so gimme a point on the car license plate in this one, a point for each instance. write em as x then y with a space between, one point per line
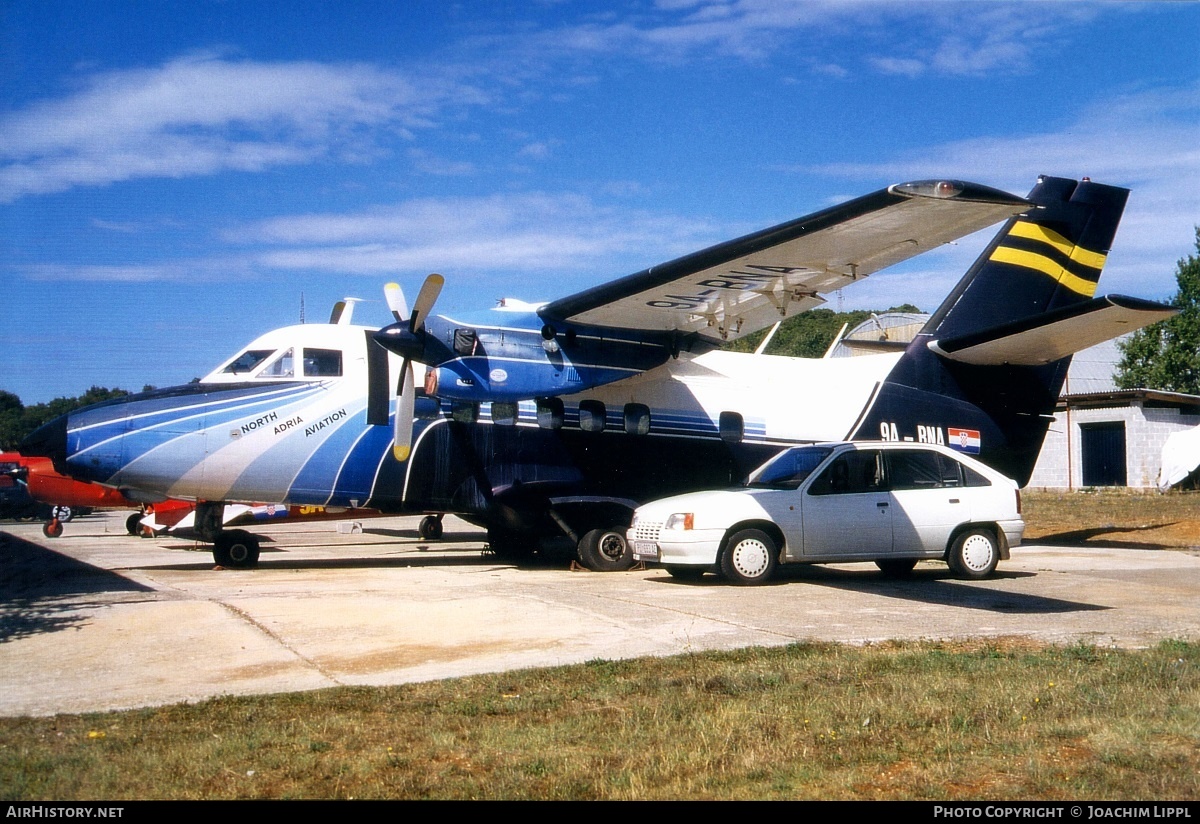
645 549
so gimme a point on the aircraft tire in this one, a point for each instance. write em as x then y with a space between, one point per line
896 567
605 550
974 554
749 558
62 513
430 528
133 524
236 549
52 529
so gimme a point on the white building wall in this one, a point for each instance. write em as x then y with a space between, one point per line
1146 430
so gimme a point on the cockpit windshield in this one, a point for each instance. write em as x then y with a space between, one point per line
788 469
248 361
284 363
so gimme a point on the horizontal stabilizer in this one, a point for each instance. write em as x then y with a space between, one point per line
1042 339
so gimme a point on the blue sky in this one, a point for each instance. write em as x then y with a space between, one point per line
174 176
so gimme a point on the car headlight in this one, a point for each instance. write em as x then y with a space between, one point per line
680 520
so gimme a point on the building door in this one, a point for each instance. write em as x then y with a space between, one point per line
1103 447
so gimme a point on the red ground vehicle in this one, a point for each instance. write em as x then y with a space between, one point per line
48 494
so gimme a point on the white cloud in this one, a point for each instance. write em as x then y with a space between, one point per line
530 232
200 115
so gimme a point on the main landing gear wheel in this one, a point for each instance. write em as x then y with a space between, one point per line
62 514
896 567
430 528
749 558
133 524
52 528
974 555
236 549
605 550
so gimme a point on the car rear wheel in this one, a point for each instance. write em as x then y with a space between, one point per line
749 558
974 554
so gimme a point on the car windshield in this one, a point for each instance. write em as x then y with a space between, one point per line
788 469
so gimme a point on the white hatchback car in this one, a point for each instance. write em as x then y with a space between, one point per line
891 503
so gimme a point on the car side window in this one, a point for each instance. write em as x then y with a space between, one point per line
851 473
919 470
973 478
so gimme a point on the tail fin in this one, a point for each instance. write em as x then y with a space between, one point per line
1042 267
1045 259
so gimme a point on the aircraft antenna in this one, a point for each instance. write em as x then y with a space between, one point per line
302 307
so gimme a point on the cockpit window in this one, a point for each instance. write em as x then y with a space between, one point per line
281 367
322 363
247 361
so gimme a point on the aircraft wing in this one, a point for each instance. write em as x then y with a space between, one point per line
738 287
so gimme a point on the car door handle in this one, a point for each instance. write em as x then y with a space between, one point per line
954 500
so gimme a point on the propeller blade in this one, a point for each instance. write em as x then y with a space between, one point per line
430 289
405 404
395 301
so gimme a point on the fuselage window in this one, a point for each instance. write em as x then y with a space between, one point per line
731 426
281 367
465 411
504 413
637 418
591 416
322 363
550 413
247 361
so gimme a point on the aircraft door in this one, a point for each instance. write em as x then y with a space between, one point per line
847 509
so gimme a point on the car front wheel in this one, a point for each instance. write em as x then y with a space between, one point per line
974 554
750 557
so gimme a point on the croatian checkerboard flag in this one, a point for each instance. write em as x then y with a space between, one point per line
964 440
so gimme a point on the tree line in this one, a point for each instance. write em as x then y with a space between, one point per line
17 420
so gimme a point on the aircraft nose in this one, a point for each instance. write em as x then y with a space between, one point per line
47 441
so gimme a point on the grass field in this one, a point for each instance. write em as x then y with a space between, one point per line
994 720
1137 520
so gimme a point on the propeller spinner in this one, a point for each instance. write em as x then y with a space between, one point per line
406 338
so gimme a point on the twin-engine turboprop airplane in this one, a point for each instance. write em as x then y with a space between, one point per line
556 419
